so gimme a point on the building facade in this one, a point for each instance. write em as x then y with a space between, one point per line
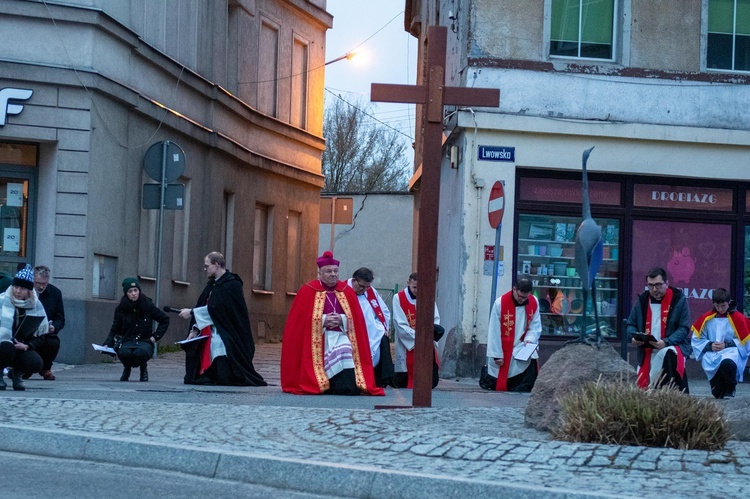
660 89
86 87
372 230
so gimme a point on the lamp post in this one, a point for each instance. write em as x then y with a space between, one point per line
348 56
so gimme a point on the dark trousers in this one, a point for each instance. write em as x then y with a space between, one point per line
724 381
219 373
343 383
384 369
26 361
523 382
401 379
48 350
669 374
135 353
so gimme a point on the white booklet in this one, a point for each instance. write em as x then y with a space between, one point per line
102 348
525 352
190 340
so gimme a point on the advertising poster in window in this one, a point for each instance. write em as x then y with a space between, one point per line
697 258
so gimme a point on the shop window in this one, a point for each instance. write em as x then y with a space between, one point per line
14 221
696 256
546 255
728 45
746 283
582 28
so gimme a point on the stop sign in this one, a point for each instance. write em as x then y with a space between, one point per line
496 206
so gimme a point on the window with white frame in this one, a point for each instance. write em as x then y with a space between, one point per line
582 28
268 68
262 244
299 83
728 35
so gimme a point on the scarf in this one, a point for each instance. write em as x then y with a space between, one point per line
508 333
645 368
737 321
33 308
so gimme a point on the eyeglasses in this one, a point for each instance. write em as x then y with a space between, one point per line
656 285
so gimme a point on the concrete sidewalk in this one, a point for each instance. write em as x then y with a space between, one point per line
470 442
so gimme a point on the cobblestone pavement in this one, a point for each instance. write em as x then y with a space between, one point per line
482 445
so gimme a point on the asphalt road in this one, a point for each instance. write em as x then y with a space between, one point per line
44 478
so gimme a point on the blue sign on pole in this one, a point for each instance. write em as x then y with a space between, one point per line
497 153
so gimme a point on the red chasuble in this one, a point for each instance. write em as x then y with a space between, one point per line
644 371
303 345
508 333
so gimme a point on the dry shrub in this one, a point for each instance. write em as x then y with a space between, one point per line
621 413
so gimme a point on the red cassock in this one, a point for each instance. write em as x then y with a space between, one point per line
302 348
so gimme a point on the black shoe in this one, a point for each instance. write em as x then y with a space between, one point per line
18 383
125 374
144 373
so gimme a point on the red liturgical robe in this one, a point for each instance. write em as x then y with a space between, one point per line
303 345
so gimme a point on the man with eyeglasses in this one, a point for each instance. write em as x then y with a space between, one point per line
514 323
721 339
661 311
325 348
377 317
225 356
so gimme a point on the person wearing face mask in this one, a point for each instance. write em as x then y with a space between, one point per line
662 312
721 339
23 323
514 322
325 348
132 329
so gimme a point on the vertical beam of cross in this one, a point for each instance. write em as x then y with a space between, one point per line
433 95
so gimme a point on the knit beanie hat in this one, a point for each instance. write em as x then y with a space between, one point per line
24 278
130 282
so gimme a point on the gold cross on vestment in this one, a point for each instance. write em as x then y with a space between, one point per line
411 318
509 322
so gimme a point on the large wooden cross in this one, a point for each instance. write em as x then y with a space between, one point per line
434 96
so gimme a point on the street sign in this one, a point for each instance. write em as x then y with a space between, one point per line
175 161
496 206
174 196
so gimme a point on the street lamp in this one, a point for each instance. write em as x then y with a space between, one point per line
348 56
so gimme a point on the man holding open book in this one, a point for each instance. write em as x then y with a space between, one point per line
512 341
659 325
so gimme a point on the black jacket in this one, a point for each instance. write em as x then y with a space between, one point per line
133 321
52 302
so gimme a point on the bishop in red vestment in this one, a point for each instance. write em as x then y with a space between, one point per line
325 348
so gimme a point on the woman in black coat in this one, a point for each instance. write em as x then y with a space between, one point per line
132 328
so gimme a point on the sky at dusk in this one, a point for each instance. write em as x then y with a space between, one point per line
374 29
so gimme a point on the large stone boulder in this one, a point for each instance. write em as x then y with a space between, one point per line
737 414
568 368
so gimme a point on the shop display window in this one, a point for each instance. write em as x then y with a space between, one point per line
546 255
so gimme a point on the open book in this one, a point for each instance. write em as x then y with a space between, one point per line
190 340
525 352
646 338
102 348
